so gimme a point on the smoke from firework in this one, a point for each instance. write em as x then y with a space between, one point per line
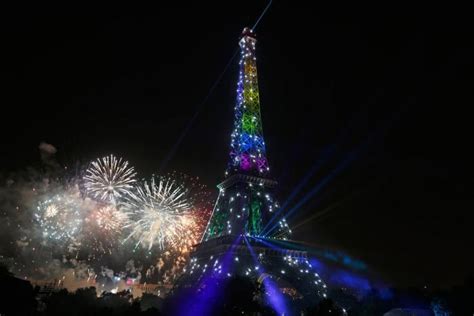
50 229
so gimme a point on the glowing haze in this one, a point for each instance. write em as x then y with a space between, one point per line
100 226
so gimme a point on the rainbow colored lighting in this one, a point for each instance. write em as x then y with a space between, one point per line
245 203
248 147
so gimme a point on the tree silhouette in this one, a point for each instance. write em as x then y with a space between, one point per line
17 296
325 307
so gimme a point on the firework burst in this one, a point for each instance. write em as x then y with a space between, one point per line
101 216
109 178
61 216
102 229
162 210
108 219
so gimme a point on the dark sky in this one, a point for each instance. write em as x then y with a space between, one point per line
387 91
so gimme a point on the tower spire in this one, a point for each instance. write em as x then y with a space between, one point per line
247 154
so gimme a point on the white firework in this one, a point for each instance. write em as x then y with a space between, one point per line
109 219
109 178
103 226
161 214
51 210
61 216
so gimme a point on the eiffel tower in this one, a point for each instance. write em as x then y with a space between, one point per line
245 204
237 240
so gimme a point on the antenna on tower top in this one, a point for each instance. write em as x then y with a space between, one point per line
248 32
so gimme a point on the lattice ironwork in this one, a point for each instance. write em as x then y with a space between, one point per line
247 144
246 203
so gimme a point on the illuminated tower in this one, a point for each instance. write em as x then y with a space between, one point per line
235 242
245 203
247 155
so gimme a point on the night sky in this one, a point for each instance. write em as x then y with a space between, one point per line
379 98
